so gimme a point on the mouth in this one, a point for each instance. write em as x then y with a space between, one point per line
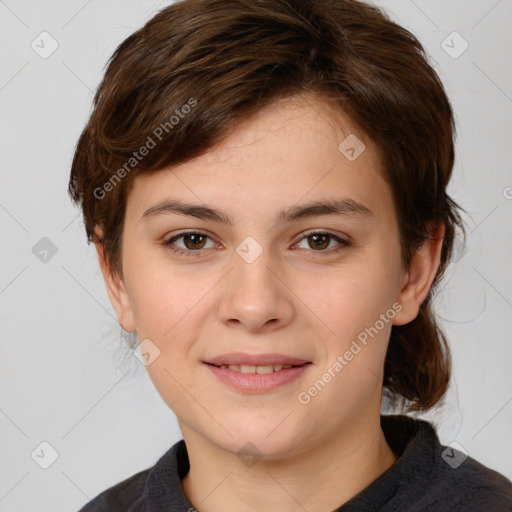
248 368
257 373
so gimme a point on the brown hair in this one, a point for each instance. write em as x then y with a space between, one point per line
199 67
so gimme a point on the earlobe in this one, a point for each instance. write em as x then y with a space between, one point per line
418 279
116 290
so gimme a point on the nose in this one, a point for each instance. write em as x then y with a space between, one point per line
255 296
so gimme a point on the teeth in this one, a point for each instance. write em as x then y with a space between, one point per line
247 368
264 369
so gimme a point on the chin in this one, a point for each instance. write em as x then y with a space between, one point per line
261 439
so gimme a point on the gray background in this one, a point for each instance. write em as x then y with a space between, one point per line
65 378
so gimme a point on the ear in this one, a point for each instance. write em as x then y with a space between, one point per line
115 288
418 279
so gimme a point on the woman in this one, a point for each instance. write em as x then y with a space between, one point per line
265 184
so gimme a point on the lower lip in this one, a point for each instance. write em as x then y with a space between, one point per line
258 382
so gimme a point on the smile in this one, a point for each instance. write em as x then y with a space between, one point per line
247 368
266 378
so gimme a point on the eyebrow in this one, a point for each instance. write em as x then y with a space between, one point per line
348 207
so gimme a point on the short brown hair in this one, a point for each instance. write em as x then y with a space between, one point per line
228 59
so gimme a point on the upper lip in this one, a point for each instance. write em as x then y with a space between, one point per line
255 359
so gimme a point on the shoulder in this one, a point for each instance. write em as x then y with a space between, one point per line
431 477
470 487
126 496
156 488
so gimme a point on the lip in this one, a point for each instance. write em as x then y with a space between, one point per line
255 382
255 359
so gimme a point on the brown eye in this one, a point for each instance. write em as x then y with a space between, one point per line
320 241
194 241
189 243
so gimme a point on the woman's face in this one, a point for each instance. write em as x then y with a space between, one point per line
266 279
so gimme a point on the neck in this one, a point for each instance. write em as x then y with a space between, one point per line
322 478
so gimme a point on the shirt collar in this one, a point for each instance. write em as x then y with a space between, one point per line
411 439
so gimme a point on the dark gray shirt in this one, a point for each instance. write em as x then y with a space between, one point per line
427 477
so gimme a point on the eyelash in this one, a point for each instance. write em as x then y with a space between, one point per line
189 252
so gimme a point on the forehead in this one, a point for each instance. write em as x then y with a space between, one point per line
292 151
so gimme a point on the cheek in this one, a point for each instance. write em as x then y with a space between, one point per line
176 388
159 293
358 309
353 300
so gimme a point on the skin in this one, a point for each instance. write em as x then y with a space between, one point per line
293 299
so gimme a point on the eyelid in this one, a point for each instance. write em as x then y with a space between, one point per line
176 235
343 240
310 232
303 234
